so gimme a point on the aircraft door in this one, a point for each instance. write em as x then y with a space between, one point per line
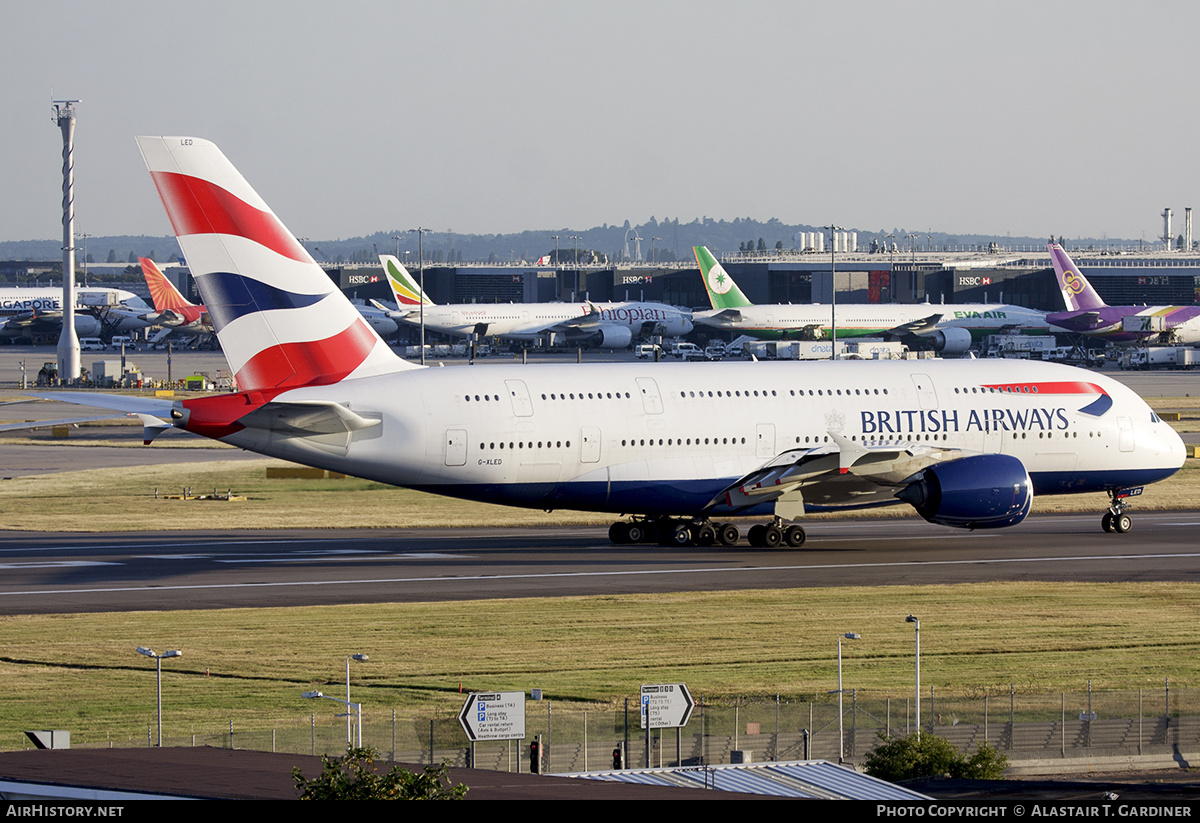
456 447
925 391
764 445
651 399
518 392
589 438
1125 433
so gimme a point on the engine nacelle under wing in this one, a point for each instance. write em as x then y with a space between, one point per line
613 337
950 340
983 491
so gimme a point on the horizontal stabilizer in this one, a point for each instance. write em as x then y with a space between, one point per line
306 417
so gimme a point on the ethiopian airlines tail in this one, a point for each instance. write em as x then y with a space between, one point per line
281 321
1077 292
404 289
723 293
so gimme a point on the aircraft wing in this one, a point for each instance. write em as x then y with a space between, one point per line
718 318
922 326
127 404
844 474
42 424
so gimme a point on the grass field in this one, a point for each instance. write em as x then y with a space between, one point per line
80 672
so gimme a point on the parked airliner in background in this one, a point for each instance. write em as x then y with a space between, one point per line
27 311
966 443
610 325
1088 314
947 329
178 315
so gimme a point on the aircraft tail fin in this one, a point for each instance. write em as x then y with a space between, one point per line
281 321
163 293
404 288
723 293
1077 292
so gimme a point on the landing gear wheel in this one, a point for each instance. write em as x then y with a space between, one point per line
674 534
1122 523
755 535
794 536
728 534
618 533
1107 522
635 533
772 536
704 534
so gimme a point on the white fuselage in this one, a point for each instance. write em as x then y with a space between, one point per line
667 438
526 321
861 319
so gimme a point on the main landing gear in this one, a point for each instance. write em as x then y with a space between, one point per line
1115 520
668 531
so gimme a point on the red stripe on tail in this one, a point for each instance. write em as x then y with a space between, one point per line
310 363
197 206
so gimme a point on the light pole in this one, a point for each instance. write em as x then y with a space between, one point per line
841 734
158 659
575 294
421 300
833 288
357 713
362 658
917 624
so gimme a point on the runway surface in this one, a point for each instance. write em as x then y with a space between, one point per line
51 573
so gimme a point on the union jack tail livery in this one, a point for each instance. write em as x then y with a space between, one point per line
1077 292
280 320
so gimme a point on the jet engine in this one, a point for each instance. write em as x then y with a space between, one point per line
984 491
951 340
613 337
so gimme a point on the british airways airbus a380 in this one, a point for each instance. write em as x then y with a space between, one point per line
676 446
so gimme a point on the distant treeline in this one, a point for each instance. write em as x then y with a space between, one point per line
662 241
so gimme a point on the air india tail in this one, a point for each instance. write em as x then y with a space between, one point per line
280 320
405 289
1077 292
163 293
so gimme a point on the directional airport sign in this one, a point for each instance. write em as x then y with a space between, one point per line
494 716
666 706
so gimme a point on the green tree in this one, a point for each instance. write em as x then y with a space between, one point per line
355 777
904 758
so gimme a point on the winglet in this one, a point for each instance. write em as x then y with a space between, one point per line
152 427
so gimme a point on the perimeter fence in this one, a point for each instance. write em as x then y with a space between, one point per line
583 737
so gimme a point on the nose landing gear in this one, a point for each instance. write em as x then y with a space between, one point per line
1116 520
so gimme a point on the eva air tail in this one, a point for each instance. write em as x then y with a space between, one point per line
281 321
723 293
404 288
1077 292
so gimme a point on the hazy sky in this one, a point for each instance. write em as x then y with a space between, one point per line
1027 118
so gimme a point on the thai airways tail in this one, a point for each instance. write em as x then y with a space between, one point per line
405 289
1077 292
163 293
723 293
280 320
